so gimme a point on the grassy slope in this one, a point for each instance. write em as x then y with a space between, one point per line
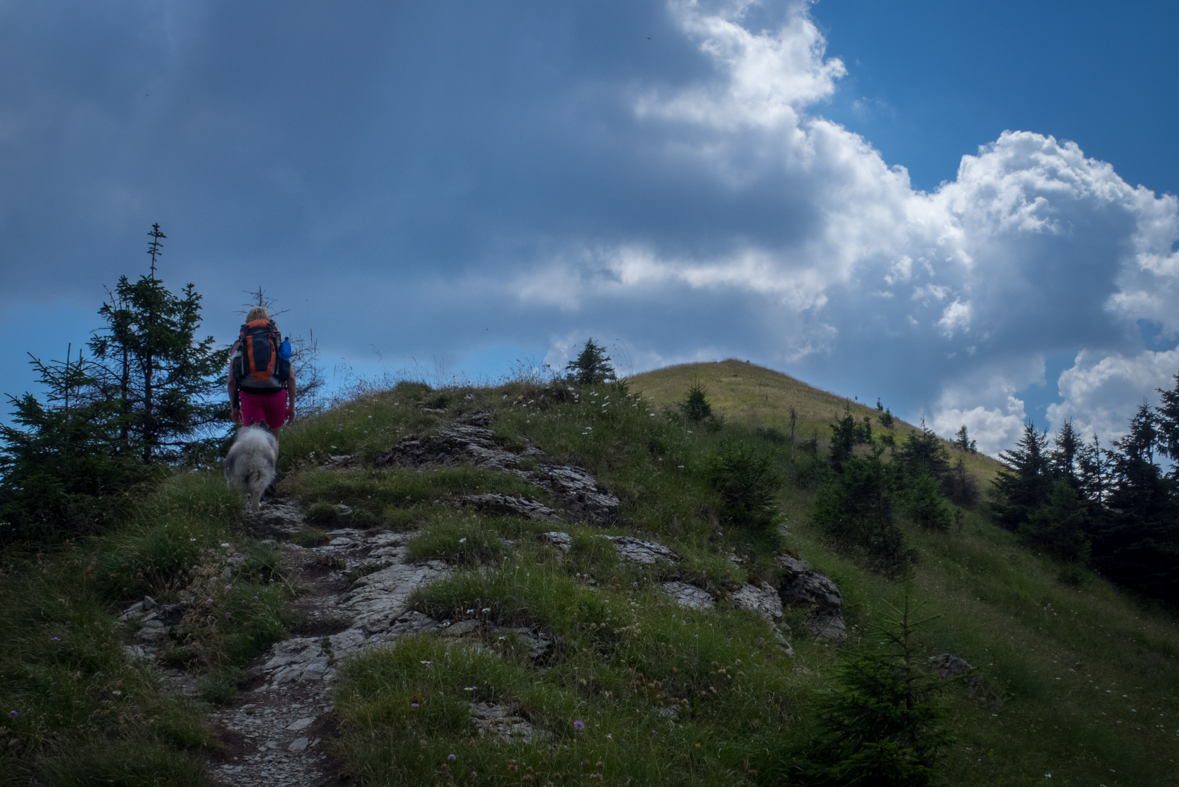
78 710
1079 683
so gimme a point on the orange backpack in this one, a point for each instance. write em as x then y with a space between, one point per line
259 358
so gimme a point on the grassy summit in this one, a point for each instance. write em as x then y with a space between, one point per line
754 396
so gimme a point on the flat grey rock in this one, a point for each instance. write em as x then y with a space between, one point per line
498 721
509 505
643 552
562 541
764 601
689 596
949 666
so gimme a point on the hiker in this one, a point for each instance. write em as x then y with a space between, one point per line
260 380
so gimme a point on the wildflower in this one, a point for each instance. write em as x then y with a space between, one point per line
461 540
435 501
487 609
225 545
450 757
229 587
413 704
117 693
192 539
579 725
55 639
12 714
255 598
208 601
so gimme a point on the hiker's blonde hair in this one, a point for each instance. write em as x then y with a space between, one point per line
257 313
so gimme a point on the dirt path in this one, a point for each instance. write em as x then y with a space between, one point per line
354 594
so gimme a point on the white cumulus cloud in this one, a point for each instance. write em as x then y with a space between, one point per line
1102 393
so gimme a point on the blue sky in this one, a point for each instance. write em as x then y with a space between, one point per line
967 211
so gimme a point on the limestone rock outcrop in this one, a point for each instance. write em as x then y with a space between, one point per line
471 441
802 586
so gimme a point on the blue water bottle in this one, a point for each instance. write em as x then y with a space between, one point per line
284 352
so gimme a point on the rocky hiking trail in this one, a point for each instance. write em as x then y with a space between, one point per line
354 591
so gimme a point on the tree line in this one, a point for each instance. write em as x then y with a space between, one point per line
1115 509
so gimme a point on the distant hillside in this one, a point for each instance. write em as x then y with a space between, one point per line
756 396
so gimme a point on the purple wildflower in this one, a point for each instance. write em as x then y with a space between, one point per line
413 704
579 725
55 639
208 601
12 714
450 757
229 587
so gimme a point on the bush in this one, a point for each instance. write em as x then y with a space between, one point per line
1058 526
882 724
854 509
747 482
959 487
696 408
925 505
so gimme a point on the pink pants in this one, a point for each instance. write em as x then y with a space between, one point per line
267 408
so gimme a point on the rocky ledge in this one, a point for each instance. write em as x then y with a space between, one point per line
470 440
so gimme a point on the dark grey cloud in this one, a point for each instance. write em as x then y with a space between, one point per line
464 181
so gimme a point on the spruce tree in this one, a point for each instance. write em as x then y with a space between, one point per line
882 725
1063 458
924 450
854 509
1093 469
1058 526
165 381
962 439
696 408
1138 544
58 473
925 505
1167 416
1024 483
592 366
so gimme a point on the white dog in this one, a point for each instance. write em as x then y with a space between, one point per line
250 463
